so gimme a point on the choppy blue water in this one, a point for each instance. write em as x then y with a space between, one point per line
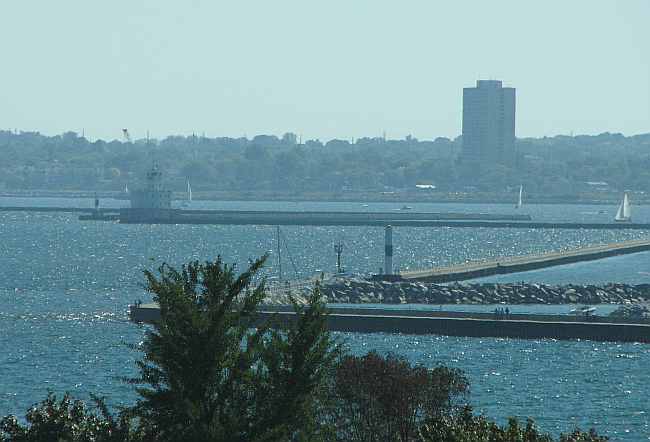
64 287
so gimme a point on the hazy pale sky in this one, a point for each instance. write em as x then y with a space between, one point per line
327 69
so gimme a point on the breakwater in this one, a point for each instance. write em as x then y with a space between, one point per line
47 209
404 218
386 321
320 218
522 329
359 291
624 328
377 219
515 264
398 218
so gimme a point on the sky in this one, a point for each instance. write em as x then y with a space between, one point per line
321 69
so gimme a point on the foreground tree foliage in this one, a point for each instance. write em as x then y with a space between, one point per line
212 372
209 377
67 420
385 398
466 427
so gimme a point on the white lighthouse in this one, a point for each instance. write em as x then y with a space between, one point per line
150 204
153 196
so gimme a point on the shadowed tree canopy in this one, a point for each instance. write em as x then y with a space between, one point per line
386 398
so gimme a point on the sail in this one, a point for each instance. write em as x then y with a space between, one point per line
126 188
189 191
624 212
627 211
520 201
619 213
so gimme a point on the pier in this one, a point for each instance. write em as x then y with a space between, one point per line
46 209
87 214
359 320
398 218
303 218
501 266
372 219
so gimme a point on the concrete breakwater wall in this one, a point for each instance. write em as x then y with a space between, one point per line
514 264
358 291
477 327
45 209
273 217
386 321
151 313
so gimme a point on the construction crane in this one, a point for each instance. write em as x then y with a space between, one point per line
126 136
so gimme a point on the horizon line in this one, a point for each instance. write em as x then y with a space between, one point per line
202 134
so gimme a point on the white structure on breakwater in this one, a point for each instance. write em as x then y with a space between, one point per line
152 203
153 196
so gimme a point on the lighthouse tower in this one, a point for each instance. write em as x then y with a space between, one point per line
152 203
153 196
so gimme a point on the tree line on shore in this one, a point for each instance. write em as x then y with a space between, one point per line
210 372
562 165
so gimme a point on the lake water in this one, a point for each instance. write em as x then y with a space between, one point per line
65 285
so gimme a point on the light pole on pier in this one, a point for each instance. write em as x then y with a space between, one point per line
338 248
279 253
388 251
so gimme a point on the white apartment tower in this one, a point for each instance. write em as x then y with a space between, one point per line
488 124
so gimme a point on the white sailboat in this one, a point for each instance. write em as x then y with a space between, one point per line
624 213
126 188
189 191
520 201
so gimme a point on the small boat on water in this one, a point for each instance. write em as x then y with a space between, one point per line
624 213
406 208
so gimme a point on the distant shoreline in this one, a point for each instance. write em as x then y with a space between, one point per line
350 197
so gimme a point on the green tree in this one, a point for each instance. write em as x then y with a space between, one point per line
466 427
387 399
67 421
212 371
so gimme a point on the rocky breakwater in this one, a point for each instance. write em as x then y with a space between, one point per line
360 291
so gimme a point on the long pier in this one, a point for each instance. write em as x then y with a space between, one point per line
398 218
376 219
46 209
305 218
447 323
260 217
517 264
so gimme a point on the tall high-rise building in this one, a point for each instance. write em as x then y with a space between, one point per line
488 124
